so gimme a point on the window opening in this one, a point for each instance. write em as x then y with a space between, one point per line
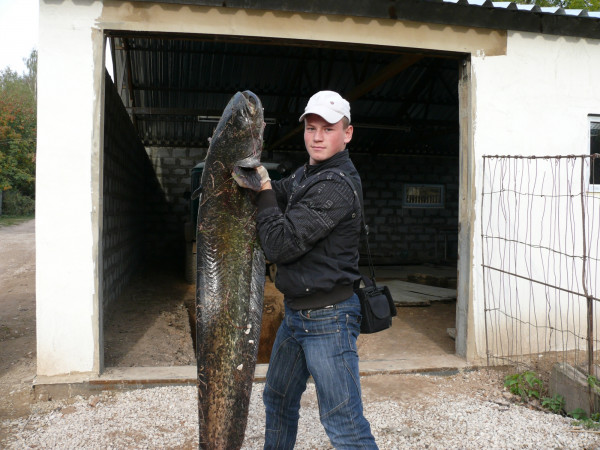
423 196
595 150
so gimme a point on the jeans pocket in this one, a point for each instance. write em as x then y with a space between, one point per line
323 321
353 327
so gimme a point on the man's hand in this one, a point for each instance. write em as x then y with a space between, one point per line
264 176
256 179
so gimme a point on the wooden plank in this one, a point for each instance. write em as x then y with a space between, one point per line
413 294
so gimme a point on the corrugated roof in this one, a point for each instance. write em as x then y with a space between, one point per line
532 8
175 86
471 13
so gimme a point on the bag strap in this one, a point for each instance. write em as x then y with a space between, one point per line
365 229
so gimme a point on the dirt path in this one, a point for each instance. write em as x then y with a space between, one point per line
17 317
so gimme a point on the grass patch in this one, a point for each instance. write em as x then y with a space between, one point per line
7 220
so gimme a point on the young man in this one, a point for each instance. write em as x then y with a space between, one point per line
309 224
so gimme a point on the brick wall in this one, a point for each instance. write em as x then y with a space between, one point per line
145 206
168 209
400 235
126 175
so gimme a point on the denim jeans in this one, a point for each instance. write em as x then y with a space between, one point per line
321 343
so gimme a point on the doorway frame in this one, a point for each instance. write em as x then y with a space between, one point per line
452 39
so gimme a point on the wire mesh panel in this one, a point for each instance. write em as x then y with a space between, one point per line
540 229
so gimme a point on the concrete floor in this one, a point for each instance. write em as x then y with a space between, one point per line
418 340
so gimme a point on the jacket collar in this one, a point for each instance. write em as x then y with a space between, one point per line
335 161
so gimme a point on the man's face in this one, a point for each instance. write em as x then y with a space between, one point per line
324 139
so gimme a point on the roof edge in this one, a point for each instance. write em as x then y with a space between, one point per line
462 13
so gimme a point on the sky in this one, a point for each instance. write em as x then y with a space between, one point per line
18 32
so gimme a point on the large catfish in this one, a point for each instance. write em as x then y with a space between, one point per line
230 275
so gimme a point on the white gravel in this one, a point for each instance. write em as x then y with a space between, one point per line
167 418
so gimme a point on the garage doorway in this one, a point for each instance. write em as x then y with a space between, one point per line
172 89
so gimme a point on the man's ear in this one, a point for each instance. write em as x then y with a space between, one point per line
348 134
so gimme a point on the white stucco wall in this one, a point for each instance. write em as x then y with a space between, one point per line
535 100
69 169
65 285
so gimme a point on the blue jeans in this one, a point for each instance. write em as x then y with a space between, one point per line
321 343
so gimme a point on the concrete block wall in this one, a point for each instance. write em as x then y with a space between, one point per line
144 207
168 208
126 169
400 235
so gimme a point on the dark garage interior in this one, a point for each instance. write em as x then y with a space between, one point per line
162 102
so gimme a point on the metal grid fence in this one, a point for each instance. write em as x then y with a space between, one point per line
540 230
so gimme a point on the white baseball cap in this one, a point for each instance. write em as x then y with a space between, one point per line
329 105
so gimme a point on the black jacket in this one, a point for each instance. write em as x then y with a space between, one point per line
309 225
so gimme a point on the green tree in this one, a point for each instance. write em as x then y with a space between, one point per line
31 76
18 128
590 5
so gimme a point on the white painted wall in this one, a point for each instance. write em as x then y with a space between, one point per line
65 285
70 73
535 100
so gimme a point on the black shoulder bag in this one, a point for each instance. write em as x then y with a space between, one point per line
376 302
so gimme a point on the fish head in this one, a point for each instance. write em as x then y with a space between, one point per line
238 137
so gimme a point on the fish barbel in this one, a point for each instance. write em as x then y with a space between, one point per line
230 276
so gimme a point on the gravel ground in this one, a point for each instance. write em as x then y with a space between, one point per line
467 411
483 416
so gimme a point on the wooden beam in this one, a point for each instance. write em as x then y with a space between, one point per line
388 72
130 80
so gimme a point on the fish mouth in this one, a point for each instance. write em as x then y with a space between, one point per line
246 169
249 108
252 102
252 111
